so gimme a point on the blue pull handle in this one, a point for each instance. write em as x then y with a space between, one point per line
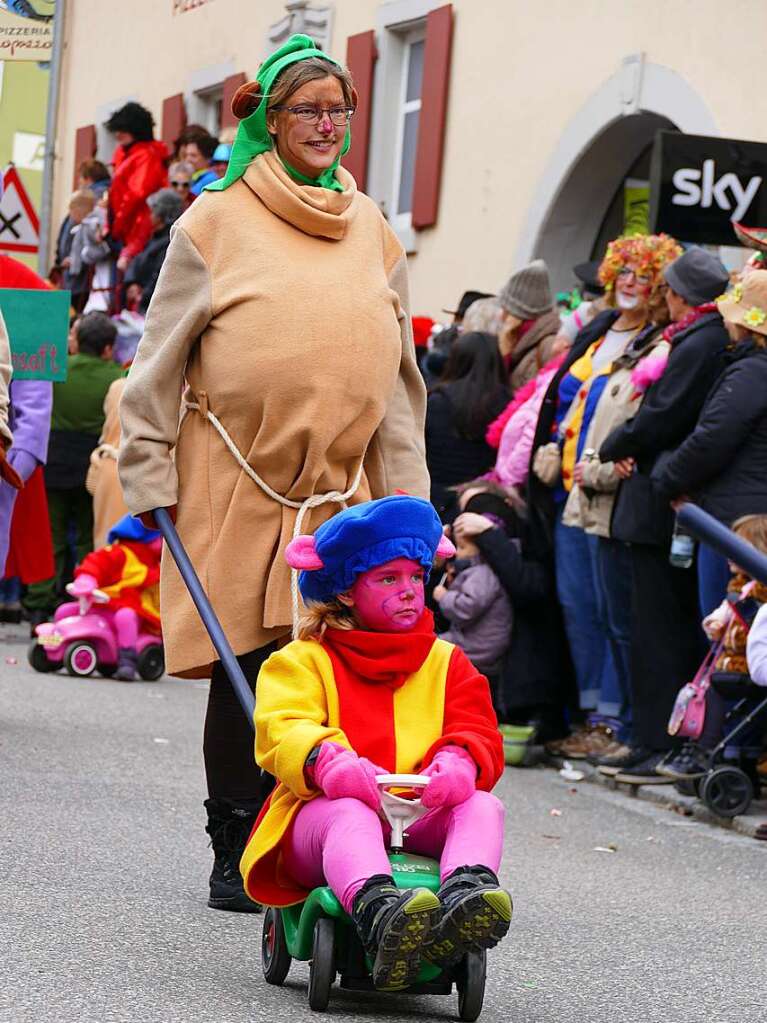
208 615
708 529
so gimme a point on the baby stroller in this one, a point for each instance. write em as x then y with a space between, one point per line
732 781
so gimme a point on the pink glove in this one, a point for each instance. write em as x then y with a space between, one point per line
453 776
341 774
83 585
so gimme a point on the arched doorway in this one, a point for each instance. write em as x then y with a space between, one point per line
578 204
588 211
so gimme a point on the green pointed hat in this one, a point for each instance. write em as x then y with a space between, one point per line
252 135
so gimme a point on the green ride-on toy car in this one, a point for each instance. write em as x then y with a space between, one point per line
320 932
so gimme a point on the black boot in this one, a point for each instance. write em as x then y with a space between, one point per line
127 664
229 825
476 913
394 926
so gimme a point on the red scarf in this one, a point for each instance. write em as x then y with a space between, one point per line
369 667
381 658
687 321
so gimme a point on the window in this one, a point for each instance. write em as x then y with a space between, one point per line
407 129
204 96
207 105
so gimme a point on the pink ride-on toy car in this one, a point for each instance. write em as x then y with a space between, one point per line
82 638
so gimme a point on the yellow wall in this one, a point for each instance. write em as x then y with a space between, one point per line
521 71
23 105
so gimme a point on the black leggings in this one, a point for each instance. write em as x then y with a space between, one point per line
228 743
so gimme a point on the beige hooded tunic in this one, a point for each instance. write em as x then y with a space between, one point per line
284 308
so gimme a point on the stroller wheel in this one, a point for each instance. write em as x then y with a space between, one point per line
322 971
687 787
275 958
727 791
470 981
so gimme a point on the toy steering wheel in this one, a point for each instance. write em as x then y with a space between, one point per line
401 810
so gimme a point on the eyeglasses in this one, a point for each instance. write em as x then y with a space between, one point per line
625 272
179 184
340 116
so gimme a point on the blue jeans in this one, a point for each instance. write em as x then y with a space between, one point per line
614 567
583 611
713 578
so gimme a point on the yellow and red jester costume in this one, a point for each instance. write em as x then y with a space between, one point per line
128 570
394 698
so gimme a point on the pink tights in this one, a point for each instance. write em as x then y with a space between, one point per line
340 842
124 619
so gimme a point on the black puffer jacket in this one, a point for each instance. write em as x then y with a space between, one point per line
665 419
537 671
723 463
452 458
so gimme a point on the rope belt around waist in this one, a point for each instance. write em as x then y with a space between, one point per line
315 501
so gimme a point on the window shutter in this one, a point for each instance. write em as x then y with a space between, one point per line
231 85
361 56
173 119
431 124
85 147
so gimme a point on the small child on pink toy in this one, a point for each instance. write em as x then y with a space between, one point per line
368 689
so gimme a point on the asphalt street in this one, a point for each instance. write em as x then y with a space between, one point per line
105 861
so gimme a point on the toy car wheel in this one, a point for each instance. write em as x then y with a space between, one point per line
151 662
727 791
322 971
38 658
275 958
81 659
470 981
107 670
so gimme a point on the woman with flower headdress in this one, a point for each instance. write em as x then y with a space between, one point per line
666 642
631 273
283 307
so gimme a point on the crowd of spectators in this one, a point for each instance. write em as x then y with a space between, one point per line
557 462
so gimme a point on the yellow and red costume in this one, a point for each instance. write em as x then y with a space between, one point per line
395 698
128 571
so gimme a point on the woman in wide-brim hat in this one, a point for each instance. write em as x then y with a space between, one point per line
283 307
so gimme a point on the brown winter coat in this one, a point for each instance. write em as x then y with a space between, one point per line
534 350
590 506
102 481
285 309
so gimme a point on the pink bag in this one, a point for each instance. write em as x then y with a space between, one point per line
689 713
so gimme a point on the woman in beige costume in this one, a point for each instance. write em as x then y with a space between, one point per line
283 306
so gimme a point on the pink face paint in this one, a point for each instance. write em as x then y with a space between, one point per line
390 597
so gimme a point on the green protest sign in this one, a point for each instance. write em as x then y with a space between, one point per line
37 322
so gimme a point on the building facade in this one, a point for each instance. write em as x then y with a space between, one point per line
489 131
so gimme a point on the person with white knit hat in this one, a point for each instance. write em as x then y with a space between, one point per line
531 323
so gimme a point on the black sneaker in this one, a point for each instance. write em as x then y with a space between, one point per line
229 827
476 913
395 928
690 763
644 772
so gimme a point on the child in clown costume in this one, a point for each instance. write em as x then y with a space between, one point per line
127 569
368 689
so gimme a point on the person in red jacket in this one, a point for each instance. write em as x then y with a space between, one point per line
128 571
369 689
139 170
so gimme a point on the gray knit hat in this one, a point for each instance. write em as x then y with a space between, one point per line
166 204
527 293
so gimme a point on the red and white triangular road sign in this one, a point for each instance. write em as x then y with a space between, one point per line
19 226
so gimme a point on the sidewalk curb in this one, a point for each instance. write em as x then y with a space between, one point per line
667 796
